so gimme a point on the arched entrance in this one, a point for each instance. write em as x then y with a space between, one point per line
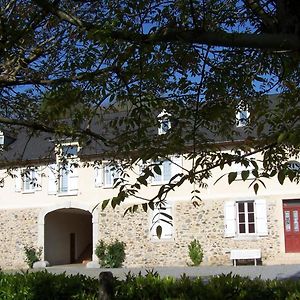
68 236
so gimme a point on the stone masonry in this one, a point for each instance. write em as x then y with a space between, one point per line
204 222
17 229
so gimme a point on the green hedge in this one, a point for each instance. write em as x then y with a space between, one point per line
43 285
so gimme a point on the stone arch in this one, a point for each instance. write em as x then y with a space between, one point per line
67 207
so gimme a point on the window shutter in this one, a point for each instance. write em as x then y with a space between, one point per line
38 179
176 166
158 218
52 179
73 179
167 170
230 218
167 229
261 217
98 177
18 180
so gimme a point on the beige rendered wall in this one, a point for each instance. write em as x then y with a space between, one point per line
205 223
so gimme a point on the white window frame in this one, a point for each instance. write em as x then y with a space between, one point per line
114 175
246 213
29 180
175 165
231 222
164 122
67 167
157 218
160 179
242 116
1 138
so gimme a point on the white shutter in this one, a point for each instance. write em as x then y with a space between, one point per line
98 177
230 219
38 179
73 179
52 179
167 229
18 180
176 166
166 168
261 217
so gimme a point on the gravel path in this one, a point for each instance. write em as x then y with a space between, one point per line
265 272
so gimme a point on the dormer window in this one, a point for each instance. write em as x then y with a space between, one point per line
69 151
1 138
293 165
242 117
164 121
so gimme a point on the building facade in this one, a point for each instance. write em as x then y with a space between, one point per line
54 202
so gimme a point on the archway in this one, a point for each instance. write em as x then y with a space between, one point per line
68 236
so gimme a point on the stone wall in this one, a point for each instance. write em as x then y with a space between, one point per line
17 228
204 222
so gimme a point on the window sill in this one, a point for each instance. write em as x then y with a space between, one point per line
247 237
159 183
28 192
63 194
107 187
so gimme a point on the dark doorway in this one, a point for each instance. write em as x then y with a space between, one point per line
68 236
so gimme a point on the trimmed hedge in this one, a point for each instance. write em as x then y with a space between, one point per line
44 285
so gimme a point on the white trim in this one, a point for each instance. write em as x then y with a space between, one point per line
68 204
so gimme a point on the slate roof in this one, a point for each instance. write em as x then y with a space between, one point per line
25 146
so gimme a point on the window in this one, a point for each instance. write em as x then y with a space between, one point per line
162 216
293 165
166 172
1 138
242 117
164 122
247 217
68 178
110 175
29 180
168 169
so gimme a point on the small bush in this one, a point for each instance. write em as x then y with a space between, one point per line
32 255
195 252
111 255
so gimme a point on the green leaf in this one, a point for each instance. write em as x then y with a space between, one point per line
142 180
158 231
145 207
231 177
166 215
256 187
245 174
104 204
281 176
157 169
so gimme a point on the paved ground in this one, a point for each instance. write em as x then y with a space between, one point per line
265 272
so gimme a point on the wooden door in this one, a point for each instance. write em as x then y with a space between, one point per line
72 248
291 214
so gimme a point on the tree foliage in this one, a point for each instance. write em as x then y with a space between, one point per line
200 60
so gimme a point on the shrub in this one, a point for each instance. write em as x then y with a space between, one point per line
32 255
111 255
195 252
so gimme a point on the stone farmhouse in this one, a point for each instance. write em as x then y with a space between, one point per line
58 209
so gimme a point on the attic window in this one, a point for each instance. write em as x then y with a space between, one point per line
242 116
164 122
1 138
293 165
